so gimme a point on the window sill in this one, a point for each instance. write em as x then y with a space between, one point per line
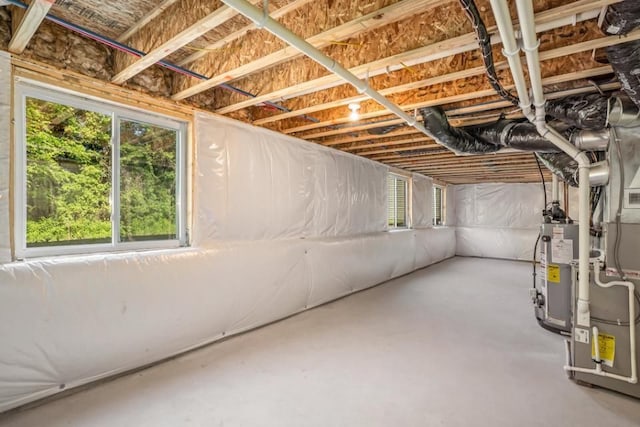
104 254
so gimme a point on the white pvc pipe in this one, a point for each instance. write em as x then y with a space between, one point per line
633 378
530 47
555 188
512 52
263 20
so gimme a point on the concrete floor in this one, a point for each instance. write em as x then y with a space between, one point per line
455 344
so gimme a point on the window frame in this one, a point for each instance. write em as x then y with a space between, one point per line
24 89
407 186
442 205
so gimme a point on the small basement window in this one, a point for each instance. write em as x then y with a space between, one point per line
92 177
438 205
397 189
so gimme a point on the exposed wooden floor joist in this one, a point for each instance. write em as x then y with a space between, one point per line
30 22
418 53
424 54
371 21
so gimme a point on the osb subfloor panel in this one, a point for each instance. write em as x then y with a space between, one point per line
452 345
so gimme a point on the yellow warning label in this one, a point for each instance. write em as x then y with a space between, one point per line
607 346
553 273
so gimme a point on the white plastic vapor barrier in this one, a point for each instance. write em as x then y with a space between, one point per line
497 220
299 189
281 225
5 117
421 201
450 205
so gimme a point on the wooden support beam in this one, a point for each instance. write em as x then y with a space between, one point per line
354 128
421 147
240 33
471 72
340 141
546 20
448 163
395 12
527 162
446 155
517 169
465 110
153 13
523 157
563 78
30 22
451 159
386 144
206 24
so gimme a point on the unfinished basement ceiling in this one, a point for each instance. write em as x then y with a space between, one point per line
416 52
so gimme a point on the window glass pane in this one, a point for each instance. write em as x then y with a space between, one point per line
68 175
147 182
437 206
401 202
391 194
397 196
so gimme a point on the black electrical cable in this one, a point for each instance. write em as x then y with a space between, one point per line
484 40
616 245
535 261
535 247
544 184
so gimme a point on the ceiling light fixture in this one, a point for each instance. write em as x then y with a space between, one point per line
354 107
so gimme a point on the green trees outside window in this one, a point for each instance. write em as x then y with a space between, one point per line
86 186
68 175
147 182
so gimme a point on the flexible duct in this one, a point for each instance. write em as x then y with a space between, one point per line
625 60
622 18
513 134
561 165
582 111
486 138
383 130
457 140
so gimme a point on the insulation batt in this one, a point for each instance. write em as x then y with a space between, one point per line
5 27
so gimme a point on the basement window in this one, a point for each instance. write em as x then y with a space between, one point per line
397 190
95 177
438 205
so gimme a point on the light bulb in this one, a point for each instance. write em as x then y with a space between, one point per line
354 107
